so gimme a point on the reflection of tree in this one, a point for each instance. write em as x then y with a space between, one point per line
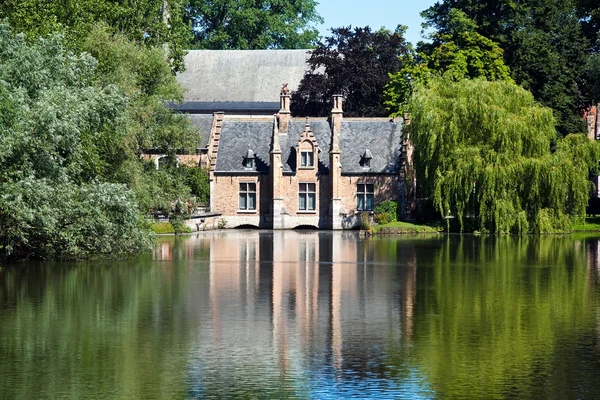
496 315
89 330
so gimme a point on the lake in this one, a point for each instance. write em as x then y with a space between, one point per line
305 314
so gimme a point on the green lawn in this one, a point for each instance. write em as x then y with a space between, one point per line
590 224
403 227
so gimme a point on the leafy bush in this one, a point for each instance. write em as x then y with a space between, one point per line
365 224
383 218
386 211
179 226
40 219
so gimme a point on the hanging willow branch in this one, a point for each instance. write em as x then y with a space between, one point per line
483 150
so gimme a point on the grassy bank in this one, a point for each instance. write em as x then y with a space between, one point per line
589 224
402 228
166 228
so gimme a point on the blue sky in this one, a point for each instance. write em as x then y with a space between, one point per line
375 13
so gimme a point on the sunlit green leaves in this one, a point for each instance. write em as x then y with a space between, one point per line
483 153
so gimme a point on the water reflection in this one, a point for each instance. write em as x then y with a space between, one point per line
309 315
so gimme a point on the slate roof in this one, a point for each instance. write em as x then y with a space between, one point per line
241 75
237 136
381 137
204 123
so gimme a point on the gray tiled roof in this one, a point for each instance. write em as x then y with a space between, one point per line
204 123
239 135
241 75
382 138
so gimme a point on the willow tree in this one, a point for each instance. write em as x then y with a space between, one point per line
487 153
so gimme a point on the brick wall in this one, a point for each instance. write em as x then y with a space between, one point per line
385 188
225 197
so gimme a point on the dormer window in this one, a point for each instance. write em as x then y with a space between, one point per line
307 159
365 160
249 160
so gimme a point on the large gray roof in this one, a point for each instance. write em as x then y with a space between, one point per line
381 137
241 75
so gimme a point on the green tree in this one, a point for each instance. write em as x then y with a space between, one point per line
156 23
544 47
60 137
251 24
483 154
459 52
354 63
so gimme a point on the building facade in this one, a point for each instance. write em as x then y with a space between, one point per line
281 172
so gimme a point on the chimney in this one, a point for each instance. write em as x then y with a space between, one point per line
284 109
337 112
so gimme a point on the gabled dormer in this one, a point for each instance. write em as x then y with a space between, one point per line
307 149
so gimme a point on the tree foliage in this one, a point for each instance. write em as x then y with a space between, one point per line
251 24
156 23
458 52
483 154
354 63
71 180
544 46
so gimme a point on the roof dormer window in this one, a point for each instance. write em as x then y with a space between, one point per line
365 160
249 159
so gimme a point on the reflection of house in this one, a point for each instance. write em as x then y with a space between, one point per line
303 296
278 171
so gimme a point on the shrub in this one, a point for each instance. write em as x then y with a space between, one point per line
365 224
163 228
386 211
383 218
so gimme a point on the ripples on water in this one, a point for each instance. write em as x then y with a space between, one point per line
308 315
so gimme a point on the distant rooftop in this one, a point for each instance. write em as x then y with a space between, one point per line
241 75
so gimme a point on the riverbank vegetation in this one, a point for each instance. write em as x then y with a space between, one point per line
72 183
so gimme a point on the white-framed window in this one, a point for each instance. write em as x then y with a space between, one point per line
247 196
307 159
366 163
365 195
307 197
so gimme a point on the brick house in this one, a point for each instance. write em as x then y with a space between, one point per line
281 172
270 170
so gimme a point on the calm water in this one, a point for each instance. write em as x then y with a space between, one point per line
309 315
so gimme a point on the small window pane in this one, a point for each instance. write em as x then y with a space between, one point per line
243 201
369 202
302 201
311 201
252 187
243 187
361 203
370 188
251 201
311 156
311 187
